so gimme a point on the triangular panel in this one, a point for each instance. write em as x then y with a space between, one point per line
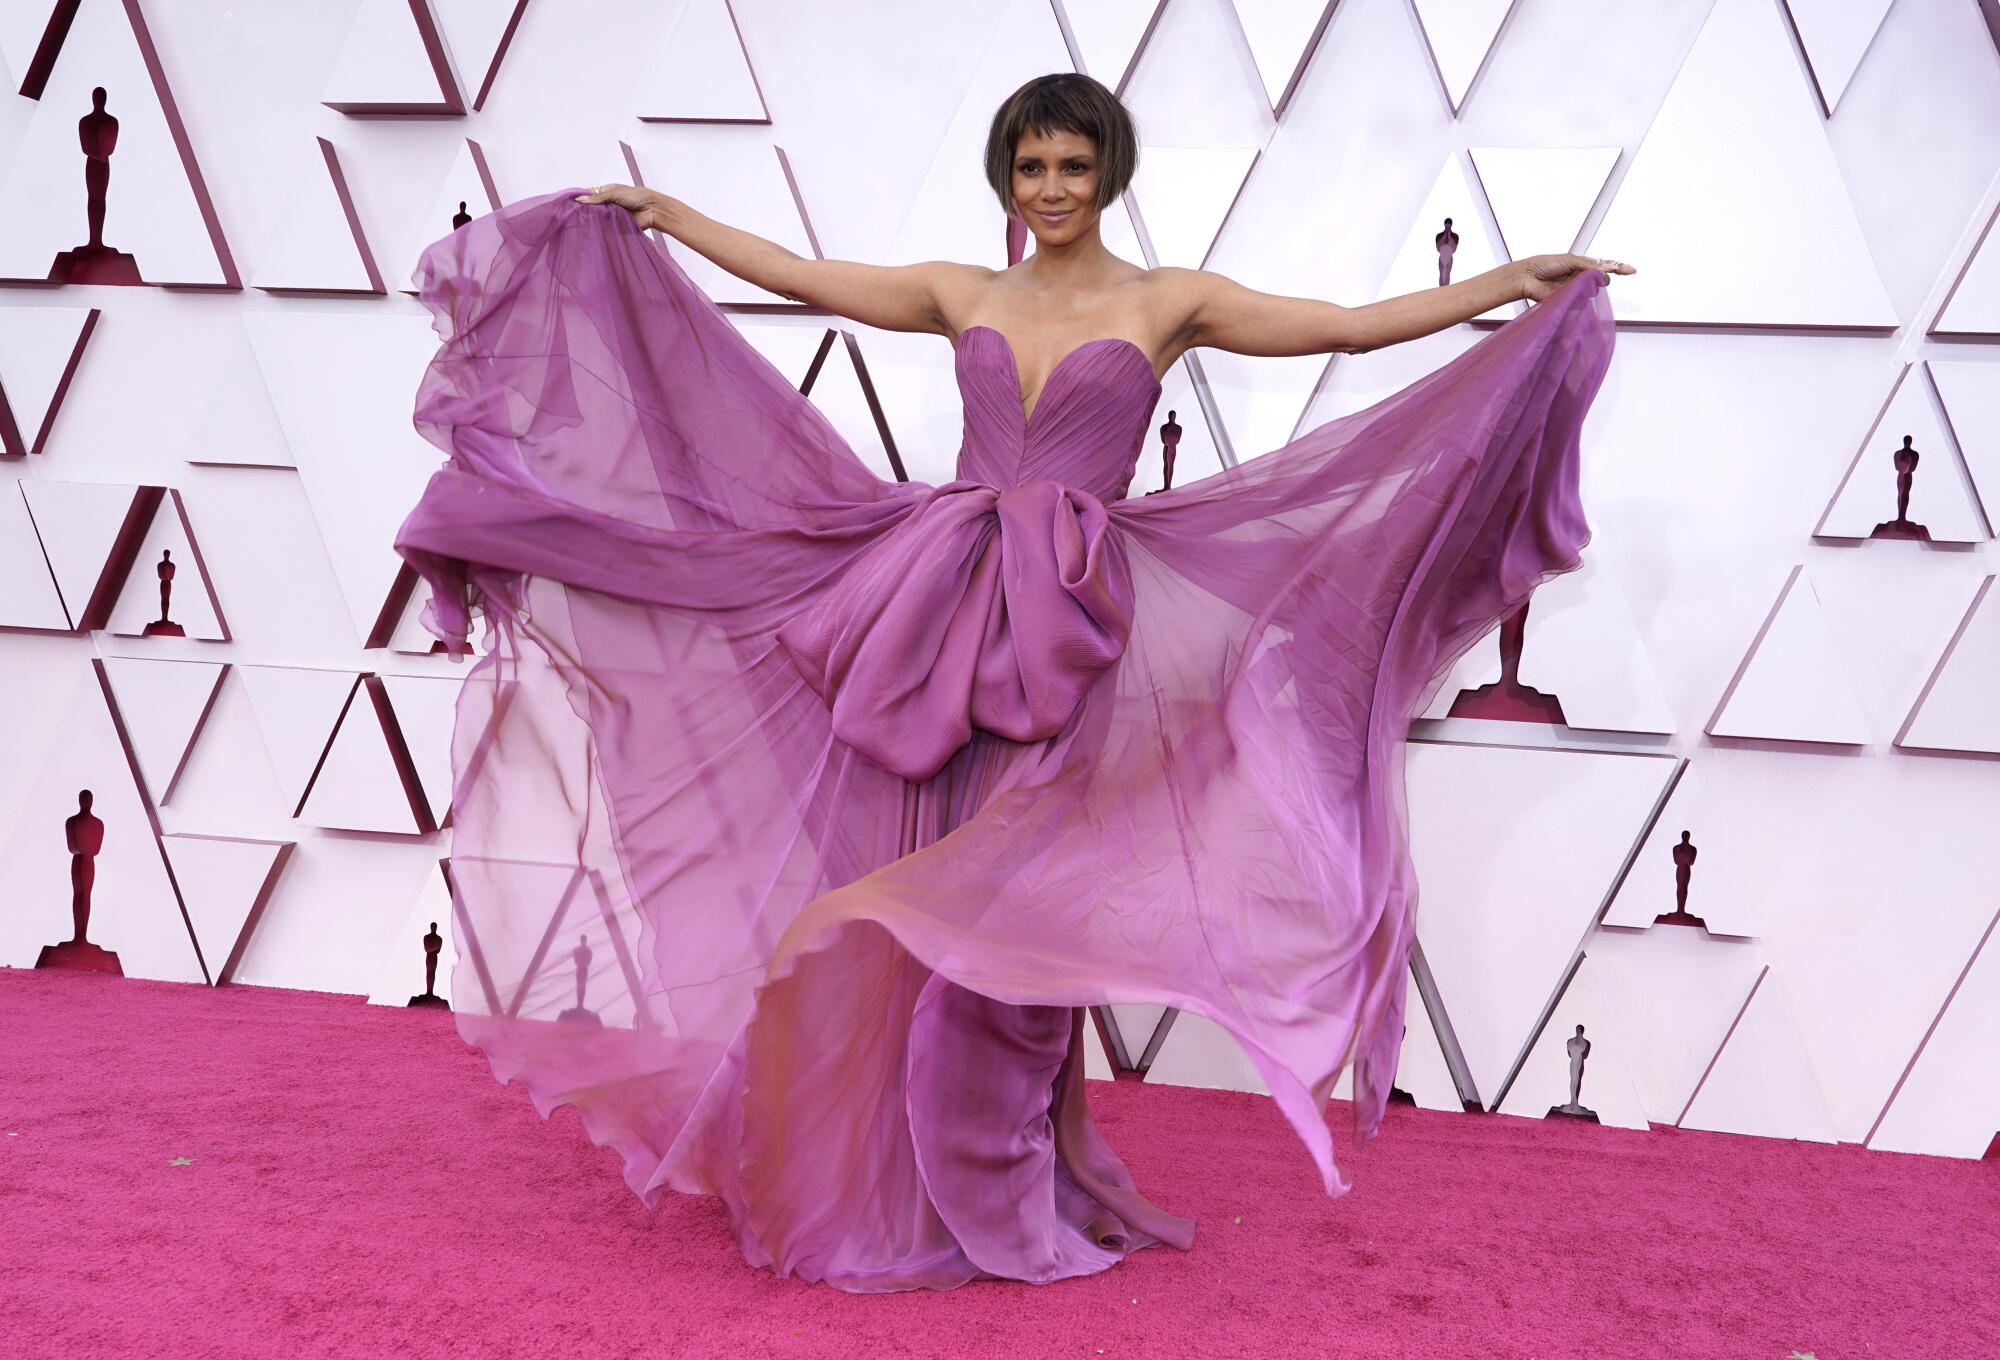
1734 208
1793 683
159 225
163 705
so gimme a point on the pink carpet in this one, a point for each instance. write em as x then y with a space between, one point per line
355 1183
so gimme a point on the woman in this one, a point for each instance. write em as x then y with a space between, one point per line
855 793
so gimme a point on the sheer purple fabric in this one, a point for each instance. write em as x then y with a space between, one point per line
797 814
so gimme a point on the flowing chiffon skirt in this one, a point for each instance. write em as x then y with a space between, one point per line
764 967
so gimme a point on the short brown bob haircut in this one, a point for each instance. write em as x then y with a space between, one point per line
1067 101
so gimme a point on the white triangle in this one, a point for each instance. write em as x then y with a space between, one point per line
478 33
1541 195
21 28
913 377
359 787
1508 898
402 973
467 188
1956 711
38 348
1108 34
296 712
1948 1102
426 709
1417 264
1716 876
1184 193
1372 74
836 391
1734 209
78 524
1794 684
1973 306
1972 408
155 206
1580 645
191 599
1606 1088
1941 495
1834 34
239 427
223 880
1136 1023
789 346
133 910
704 74
1281 34
1762 1082
383 66
737 172
28 594
362 463
315 245
1674 993
162 704
1461 33
955 215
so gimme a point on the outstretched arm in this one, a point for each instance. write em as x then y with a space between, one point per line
889 297
1223 314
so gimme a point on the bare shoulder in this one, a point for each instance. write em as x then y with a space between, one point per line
959 289
1172 284
1174 298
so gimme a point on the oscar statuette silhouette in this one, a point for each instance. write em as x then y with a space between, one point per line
1905 459
1579 1049
1170 442
579 1014
164 626
1447 246
1507 699
433 946
84 832
94 261
1684 855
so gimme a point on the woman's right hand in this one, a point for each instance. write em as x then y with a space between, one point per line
648 209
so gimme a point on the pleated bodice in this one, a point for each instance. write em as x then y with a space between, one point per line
1086 428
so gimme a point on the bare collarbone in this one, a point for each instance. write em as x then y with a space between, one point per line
1041 331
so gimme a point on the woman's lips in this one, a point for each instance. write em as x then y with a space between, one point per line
1053 218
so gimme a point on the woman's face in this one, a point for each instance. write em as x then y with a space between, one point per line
1055 184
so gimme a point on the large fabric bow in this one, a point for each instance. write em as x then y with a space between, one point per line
983 608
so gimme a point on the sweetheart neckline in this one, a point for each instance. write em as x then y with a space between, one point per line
1014 362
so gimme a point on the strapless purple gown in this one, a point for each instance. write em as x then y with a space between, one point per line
798 814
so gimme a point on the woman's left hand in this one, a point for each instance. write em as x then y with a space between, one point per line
1541 275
